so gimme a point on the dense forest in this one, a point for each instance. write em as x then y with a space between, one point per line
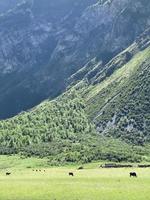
61 131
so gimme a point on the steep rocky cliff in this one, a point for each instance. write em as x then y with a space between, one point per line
117 96
42 43
6 5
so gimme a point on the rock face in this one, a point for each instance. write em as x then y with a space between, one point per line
116 94
6 5
42 43
118 101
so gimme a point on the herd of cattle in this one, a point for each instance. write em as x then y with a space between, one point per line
112 165
132 174
108 165
38 170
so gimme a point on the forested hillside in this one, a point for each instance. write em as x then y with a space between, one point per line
63 118
61 131
103 114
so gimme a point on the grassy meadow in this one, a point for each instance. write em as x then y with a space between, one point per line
91 183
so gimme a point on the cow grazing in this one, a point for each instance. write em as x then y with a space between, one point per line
8 173
71 174
133 174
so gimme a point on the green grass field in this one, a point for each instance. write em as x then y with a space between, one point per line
92 183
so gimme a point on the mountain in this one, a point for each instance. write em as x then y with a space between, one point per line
43 43
104 114
117 95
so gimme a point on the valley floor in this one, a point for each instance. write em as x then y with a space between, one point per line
51 183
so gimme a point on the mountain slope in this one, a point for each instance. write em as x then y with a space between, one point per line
61 131
122 102
115 98
6 5
41 49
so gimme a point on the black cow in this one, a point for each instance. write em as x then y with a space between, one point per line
71 174
133 174
8 173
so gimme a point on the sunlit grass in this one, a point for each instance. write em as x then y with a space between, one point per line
91 183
